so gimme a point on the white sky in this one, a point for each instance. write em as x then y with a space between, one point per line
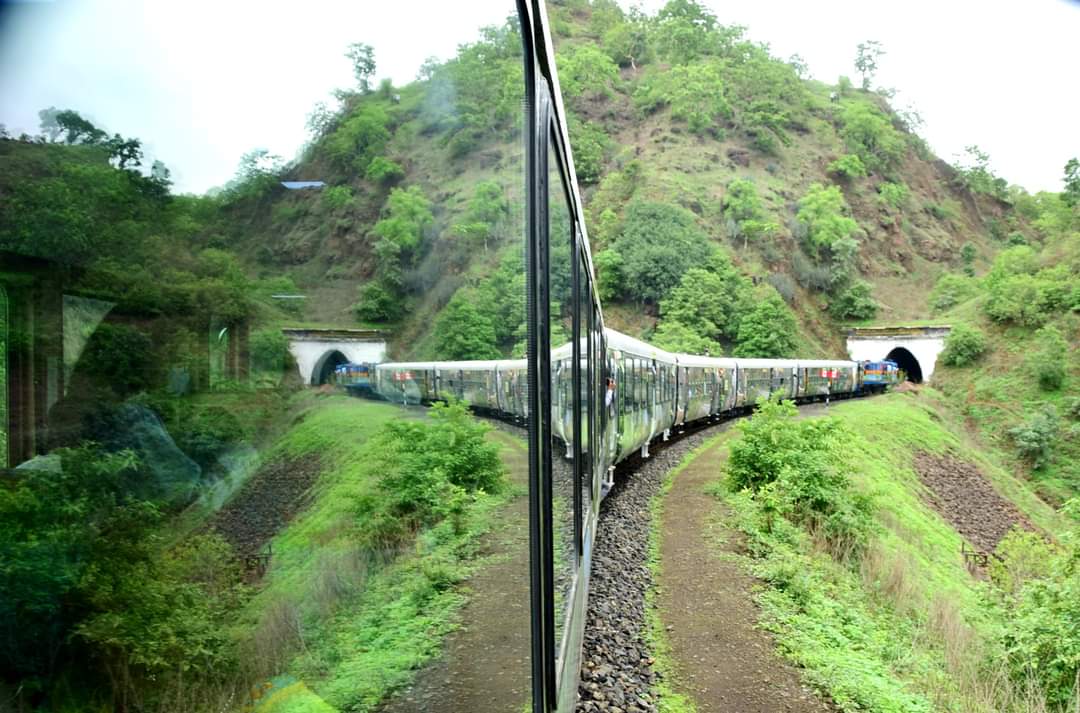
203 82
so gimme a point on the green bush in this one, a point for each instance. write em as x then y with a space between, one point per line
384 171
710 301
1035 437
694 92
430 469
847 167
893 195
336 197
1041 593
799 470
952 289
657 245
1049 358
590 144
870 135
855 302
822 213
768 330
963 346
377 303
585 69
462 331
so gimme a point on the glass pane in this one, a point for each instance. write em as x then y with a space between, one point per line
262 339
588 359
564 532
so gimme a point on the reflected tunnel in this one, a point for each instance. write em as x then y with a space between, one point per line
907 361
324 368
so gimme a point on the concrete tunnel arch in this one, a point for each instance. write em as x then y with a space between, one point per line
324 367
908 362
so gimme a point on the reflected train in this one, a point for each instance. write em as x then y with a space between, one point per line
648 393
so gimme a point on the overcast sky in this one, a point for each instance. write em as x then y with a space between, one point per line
203 82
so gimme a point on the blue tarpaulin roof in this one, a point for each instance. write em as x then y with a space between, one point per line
296 185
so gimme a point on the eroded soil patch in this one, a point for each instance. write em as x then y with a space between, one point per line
266 503
967 500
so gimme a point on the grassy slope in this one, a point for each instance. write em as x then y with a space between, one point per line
351 624
907 630
1001 391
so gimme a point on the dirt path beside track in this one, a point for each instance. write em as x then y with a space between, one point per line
722 662
485 663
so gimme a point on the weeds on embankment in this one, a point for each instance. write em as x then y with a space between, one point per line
885 616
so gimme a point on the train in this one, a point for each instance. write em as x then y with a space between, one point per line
647 393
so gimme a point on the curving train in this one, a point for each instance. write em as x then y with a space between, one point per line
642 393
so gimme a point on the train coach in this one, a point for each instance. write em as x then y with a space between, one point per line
650 391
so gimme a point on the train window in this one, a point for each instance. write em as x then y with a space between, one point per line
209 226
565 516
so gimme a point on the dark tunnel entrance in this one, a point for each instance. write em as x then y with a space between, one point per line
907 361
324 368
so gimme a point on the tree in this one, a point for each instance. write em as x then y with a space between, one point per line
974 173
363 61
869 134
486 209
695 93
585 69
709 301
1071 194
822 213
768 330
406 216
866 60
855 302
658 244
684 31
847 167
627 42
675 336
462 332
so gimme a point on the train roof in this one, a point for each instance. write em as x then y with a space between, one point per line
696 360
625 343
766 363
827 362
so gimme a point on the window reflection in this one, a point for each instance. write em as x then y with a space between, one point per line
262 441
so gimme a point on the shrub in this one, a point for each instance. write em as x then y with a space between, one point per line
1041 587
585 69
1035 437
870 135
658 244
950 290
823 213
1049 358
590 144
768 330
963 346
783 284
847 167
384 171
1016 238
798 470
430 469
377 303
855 302
462 331
893 195
336 197
694 92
